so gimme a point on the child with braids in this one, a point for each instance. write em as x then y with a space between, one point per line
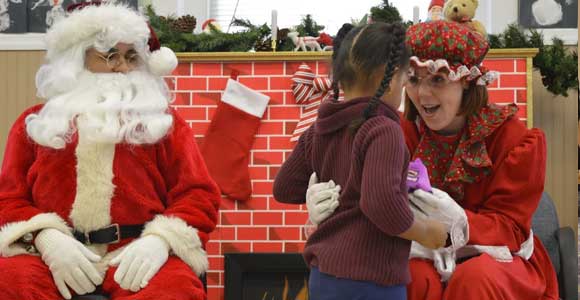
362 250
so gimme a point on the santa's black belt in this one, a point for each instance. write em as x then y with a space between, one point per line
109 235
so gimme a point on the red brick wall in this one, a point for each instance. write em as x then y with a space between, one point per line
262 224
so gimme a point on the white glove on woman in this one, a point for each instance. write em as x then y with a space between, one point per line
439 206
140 261
321 199
69 262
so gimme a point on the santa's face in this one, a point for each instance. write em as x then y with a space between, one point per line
436 13
122 58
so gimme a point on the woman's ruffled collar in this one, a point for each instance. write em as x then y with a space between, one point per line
470 161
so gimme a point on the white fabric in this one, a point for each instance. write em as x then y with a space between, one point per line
245 99
183 240
162 62
439 206
444 260
100 26
527 247
10 233
70 262
434 66
321 199
140 261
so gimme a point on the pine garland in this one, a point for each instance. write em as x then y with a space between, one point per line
557 65
252 37
309 27
388 13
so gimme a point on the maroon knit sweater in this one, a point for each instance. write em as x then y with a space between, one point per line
359 241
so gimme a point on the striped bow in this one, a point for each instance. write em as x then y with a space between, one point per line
309 90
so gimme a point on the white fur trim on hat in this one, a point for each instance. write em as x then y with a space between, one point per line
183 240
162 62
100 26
455 73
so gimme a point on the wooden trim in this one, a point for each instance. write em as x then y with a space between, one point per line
315 55
253 56
513 53
530 91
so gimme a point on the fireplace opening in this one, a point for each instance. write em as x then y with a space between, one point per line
265 276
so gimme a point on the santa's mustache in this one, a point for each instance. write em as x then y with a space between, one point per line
110 107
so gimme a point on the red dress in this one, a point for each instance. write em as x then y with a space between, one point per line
88 186
495 170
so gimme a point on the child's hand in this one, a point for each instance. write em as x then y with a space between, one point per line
435 234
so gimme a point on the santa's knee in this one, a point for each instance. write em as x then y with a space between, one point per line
176 281
472 279
26 277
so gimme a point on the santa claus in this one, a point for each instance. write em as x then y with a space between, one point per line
103 186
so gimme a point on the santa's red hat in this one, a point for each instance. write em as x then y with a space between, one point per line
436 3
102 25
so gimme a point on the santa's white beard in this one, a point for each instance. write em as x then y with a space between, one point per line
108 108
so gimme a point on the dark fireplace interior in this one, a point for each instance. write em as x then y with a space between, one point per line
265 276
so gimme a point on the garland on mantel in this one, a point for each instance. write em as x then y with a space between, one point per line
557 65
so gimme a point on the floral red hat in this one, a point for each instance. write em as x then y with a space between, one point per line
452 46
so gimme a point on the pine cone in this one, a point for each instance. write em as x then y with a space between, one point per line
185 24
263 46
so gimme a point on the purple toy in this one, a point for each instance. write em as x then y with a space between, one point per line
417 177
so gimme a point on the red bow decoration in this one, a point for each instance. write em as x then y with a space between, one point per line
310 90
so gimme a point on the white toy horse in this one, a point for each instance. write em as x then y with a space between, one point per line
303 42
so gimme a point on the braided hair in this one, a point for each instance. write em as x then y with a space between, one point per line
361 52
336 44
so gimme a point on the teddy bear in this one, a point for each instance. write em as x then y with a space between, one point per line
463 11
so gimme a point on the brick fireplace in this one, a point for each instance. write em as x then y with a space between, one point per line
263 225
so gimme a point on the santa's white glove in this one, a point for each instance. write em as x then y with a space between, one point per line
70 262
321 199
140 261
439 206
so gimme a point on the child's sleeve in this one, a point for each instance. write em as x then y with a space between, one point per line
291 182
383 186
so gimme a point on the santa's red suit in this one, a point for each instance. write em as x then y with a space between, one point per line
88 186
508 161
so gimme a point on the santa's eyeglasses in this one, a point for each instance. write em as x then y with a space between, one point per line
113 58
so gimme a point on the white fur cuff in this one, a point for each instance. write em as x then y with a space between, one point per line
182 239
12 232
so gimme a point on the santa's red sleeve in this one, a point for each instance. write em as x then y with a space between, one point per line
513 191
193 198
18 215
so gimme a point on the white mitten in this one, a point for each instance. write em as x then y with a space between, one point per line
140 261
70 262
439 206
321 199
